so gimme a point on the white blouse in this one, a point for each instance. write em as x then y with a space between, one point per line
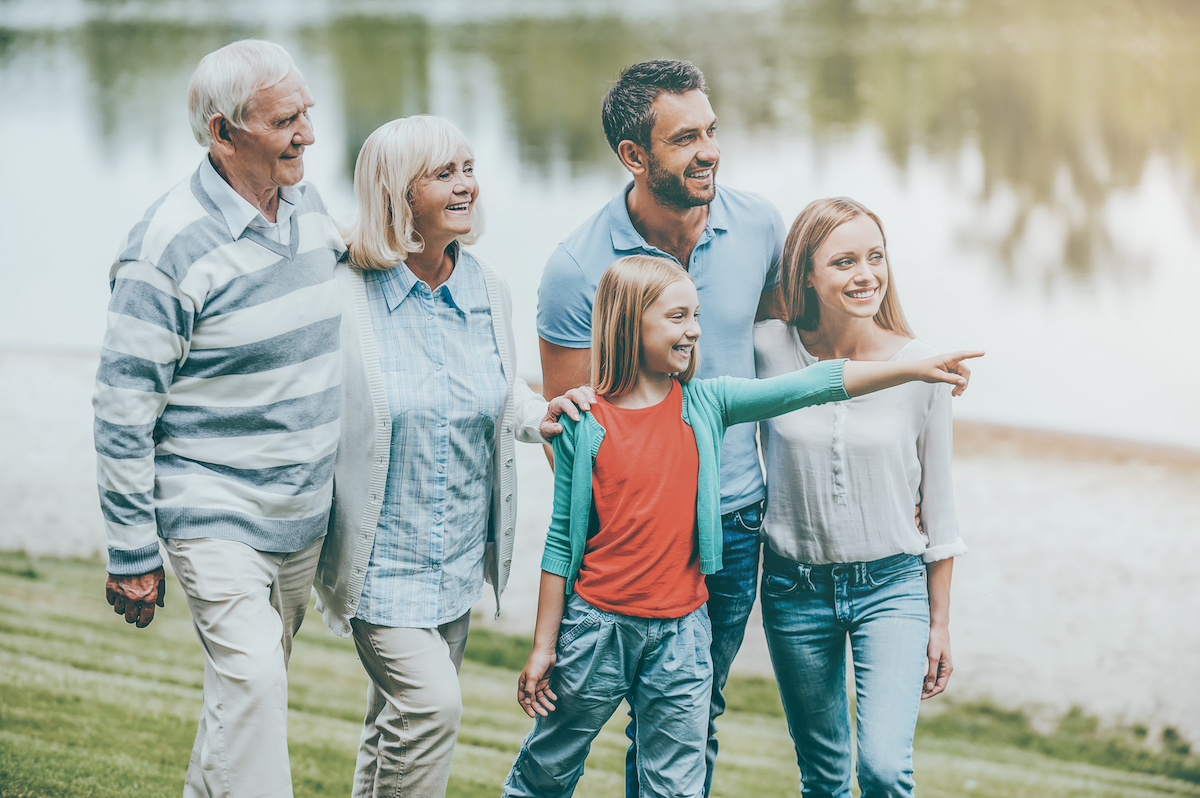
844 478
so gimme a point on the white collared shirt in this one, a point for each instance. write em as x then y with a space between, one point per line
240 214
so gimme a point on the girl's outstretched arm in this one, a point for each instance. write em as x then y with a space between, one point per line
867 376
533 685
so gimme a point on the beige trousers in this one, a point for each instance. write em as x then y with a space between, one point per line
414 706
246 606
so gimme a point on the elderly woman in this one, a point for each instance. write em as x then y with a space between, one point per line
425 485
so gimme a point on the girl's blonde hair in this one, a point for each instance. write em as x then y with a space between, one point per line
814 224
391 160
628 287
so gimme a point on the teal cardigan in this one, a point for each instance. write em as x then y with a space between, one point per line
709 407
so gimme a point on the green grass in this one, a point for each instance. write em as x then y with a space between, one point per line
91 707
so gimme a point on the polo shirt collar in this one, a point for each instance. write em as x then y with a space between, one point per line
235 209
626 238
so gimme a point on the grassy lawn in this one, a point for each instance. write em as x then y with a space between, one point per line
92 707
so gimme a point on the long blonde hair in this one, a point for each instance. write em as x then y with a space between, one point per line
392 158
628 287
814 224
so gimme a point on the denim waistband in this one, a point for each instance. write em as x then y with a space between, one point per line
758 505
857 571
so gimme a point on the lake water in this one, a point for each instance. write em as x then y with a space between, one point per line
1035 164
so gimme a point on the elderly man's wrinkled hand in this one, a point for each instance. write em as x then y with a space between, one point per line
136 596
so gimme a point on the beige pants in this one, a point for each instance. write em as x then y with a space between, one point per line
246 606
414 706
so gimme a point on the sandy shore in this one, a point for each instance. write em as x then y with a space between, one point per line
1081 586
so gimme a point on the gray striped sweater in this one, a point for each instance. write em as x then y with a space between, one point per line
217 397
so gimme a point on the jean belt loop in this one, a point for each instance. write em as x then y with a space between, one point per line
806 577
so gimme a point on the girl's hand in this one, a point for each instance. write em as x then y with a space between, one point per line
941 664
947 368
533 685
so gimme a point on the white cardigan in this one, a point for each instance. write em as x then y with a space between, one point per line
364 450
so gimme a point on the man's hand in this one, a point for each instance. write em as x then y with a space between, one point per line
135 596
571 403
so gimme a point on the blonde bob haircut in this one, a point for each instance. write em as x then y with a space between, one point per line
814 224
628 287
392 160
227 79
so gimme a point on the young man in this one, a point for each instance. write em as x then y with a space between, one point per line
658 120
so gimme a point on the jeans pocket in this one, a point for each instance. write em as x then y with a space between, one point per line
751 518
896 569
777 584
575 622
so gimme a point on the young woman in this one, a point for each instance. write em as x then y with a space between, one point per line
425 487
845 559
637 523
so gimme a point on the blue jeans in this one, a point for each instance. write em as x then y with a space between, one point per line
808 613
661 664
730 599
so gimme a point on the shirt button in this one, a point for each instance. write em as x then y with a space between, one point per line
438 367
441 469
441 422
429 317
437 566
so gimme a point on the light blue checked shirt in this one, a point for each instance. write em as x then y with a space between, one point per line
445 387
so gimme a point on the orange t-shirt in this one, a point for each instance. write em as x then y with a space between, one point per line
643 558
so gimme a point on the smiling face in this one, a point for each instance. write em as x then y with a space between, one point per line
269 152
681 165
669 330
441 200
850 271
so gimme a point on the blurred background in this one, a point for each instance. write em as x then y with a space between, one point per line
1035 163
1036 166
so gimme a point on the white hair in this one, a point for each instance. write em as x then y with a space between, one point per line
391 160
226 81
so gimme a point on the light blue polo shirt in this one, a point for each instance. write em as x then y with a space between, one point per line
736 258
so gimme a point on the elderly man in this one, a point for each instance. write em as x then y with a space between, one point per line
217 404
658 120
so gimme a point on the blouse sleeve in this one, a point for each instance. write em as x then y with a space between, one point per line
934 449
529 409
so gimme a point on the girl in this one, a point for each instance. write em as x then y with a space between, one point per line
844 557
636 525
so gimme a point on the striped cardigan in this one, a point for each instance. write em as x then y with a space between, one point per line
217 398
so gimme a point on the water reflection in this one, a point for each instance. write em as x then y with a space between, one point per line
383 71
135 68
1050 150
1064 103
